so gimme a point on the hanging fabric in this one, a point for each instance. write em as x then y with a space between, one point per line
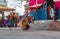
36 3
57 3
32 3
40 2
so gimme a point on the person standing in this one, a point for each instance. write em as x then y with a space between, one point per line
11 20
55 13
48 14
51 12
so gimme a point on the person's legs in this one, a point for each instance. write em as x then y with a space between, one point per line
27 27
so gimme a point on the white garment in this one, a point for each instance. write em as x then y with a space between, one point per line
23 8
52 12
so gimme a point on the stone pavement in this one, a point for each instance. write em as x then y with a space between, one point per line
38 31
45 25
41 25
55 25
31 34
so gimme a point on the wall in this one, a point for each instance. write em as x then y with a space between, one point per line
59 14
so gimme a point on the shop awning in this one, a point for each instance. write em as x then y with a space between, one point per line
57 3
36 3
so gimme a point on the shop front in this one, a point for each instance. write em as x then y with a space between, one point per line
43 12
40 11
40 14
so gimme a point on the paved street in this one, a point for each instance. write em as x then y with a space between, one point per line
38 31
31 34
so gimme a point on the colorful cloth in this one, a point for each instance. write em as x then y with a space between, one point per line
25 22
6 22
11 23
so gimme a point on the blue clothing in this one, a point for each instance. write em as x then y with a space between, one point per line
11 22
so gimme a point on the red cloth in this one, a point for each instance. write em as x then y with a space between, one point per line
32 2
57 3
35 3
40 1
48 10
